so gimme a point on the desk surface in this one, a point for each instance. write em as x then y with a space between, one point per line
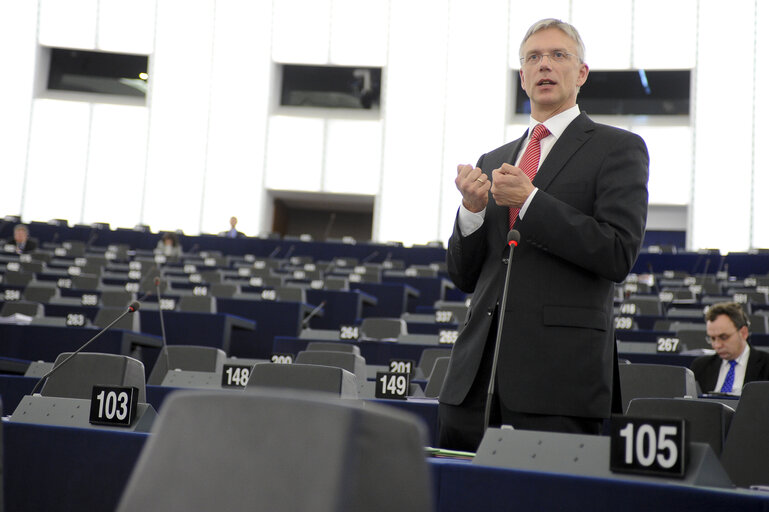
462 486
68 469
45 343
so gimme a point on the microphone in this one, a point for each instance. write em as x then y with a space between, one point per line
327 231
312 313
370 257
289 252
160 310
655 284
512 242
92 238
274 252
133 307
706 266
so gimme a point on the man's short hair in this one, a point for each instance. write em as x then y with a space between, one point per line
731 309
21 227
564 27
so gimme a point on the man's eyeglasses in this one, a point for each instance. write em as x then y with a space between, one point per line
722 338
533 59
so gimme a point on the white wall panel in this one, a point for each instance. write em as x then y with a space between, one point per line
761 135
239 104
114 183
18 42
606 30
670 163
353 161
358 33
295 153
57 162
301 31
414 103
126 26
723 148
68 23
476 90
654 33
180 83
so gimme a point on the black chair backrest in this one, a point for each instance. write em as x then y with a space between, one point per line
745 452
305 377
437 376
708 421
284 452
23 307
333 347
76 378
187 358
655 381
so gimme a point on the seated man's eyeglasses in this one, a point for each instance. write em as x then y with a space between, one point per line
722 338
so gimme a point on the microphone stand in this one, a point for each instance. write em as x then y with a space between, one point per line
134 306
512 241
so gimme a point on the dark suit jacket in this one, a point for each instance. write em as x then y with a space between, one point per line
29 246
581 233
706 369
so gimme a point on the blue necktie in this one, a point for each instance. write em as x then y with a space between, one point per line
729 381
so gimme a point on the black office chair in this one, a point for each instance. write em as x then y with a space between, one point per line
186 358
437 376
23 307
708 421
85 282
116 298
353 363
197 304
290 294
283 452
692 338
382 328
305 377
655 381
78 376
333 347
336 283
225 290
17 278
40 291
428 358
105 316
747 444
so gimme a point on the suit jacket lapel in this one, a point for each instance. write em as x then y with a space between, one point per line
751 369
575 135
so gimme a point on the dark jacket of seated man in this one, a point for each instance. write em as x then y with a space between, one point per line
727 332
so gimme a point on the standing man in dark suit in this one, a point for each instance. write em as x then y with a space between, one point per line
735 363
581 221
233 231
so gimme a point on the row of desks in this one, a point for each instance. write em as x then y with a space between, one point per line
68 469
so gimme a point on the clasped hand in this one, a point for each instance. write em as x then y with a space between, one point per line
511 187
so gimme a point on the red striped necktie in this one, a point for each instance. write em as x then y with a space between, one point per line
530 161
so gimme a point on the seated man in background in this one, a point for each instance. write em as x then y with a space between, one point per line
23 243
735 363
169 246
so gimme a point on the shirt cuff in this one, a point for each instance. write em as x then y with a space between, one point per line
527 203
468 221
